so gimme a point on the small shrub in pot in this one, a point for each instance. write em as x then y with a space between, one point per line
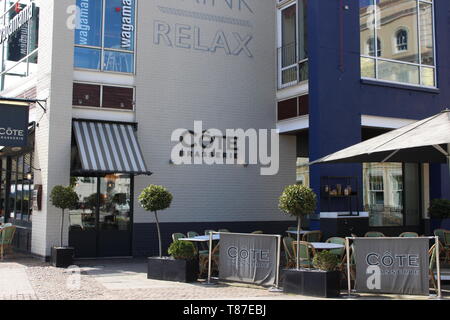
325 261
183 250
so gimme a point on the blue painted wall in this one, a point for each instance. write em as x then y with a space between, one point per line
338 97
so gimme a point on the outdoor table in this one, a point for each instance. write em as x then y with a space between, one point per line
204 238
326 245
295 231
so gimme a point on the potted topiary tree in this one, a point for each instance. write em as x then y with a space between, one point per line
156 198
63 198
440 214
299 201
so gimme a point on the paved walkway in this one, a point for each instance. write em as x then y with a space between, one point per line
122 279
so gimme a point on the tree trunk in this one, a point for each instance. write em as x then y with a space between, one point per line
298 242
159 234
62 227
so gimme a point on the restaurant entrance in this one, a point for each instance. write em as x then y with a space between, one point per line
101 225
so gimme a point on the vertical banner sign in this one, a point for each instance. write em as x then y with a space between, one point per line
392 265
13 125
248 258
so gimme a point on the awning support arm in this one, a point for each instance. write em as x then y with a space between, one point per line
440 149
390 156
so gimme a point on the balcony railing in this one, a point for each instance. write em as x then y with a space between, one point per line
290 70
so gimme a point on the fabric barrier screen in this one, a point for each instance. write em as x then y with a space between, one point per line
392 265
248 258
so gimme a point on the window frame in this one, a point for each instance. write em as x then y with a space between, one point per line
281 5
419 65
101 96
102 48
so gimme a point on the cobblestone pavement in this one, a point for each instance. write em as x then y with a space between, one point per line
30 279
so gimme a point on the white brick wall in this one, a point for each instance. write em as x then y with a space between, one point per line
174 87
53 135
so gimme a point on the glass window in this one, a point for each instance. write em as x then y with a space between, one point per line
88 30
16 52
293 41
105 45
87 58
405 41
303 171
83 216
119 25
383 193
115 202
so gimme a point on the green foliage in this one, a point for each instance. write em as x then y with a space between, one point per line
155 198
325 261
184 250
297 200
64 197
439 209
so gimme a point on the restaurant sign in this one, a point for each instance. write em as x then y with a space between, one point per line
248 258
13 125
392 265
16 23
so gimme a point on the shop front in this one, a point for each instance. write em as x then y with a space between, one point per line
105 158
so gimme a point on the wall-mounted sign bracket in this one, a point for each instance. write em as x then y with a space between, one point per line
40 102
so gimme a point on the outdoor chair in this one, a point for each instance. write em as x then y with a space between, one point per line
306 254
343 265
177 235
257 232
338 252
288 251
446 246
208 231
224 230
312 236
6 238
204 260
432 264
374 234
192 234
409 234
291 234
440 233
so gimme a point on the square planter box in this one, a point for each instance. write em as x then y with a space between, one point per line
314 283
62 257
170 269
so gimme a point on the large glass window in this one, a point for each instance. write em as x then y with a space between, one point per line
105 35
293 44
18 52
403 51
392 194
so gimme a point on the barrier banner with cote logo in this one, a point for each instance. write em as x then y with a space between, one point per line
392 265
13 125
248 258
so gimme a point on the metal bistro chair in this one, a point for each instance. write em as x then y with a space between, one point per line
374 234
340 252
293 236
306 253
446 245
204 260
288 252
6 238
208 231
432 264
177 235
409 234
312 236
440 233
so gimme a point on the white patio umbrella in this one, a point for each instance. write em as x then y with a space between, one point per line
426 140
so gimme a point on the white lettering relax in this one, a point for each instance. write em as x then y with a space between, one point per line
189 37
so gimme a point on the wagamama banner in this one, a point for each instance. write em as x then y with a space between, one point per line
248 258
392 265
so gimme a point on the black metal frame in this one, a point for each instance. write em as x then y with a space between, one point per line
37 101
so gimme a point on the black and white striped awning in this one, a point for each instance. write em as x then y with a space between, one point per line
108 148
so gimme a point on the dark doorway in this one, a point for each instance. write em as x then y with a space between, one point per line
101 225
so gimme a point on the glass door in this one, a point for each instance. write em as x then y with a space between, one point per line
114 220
101 224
